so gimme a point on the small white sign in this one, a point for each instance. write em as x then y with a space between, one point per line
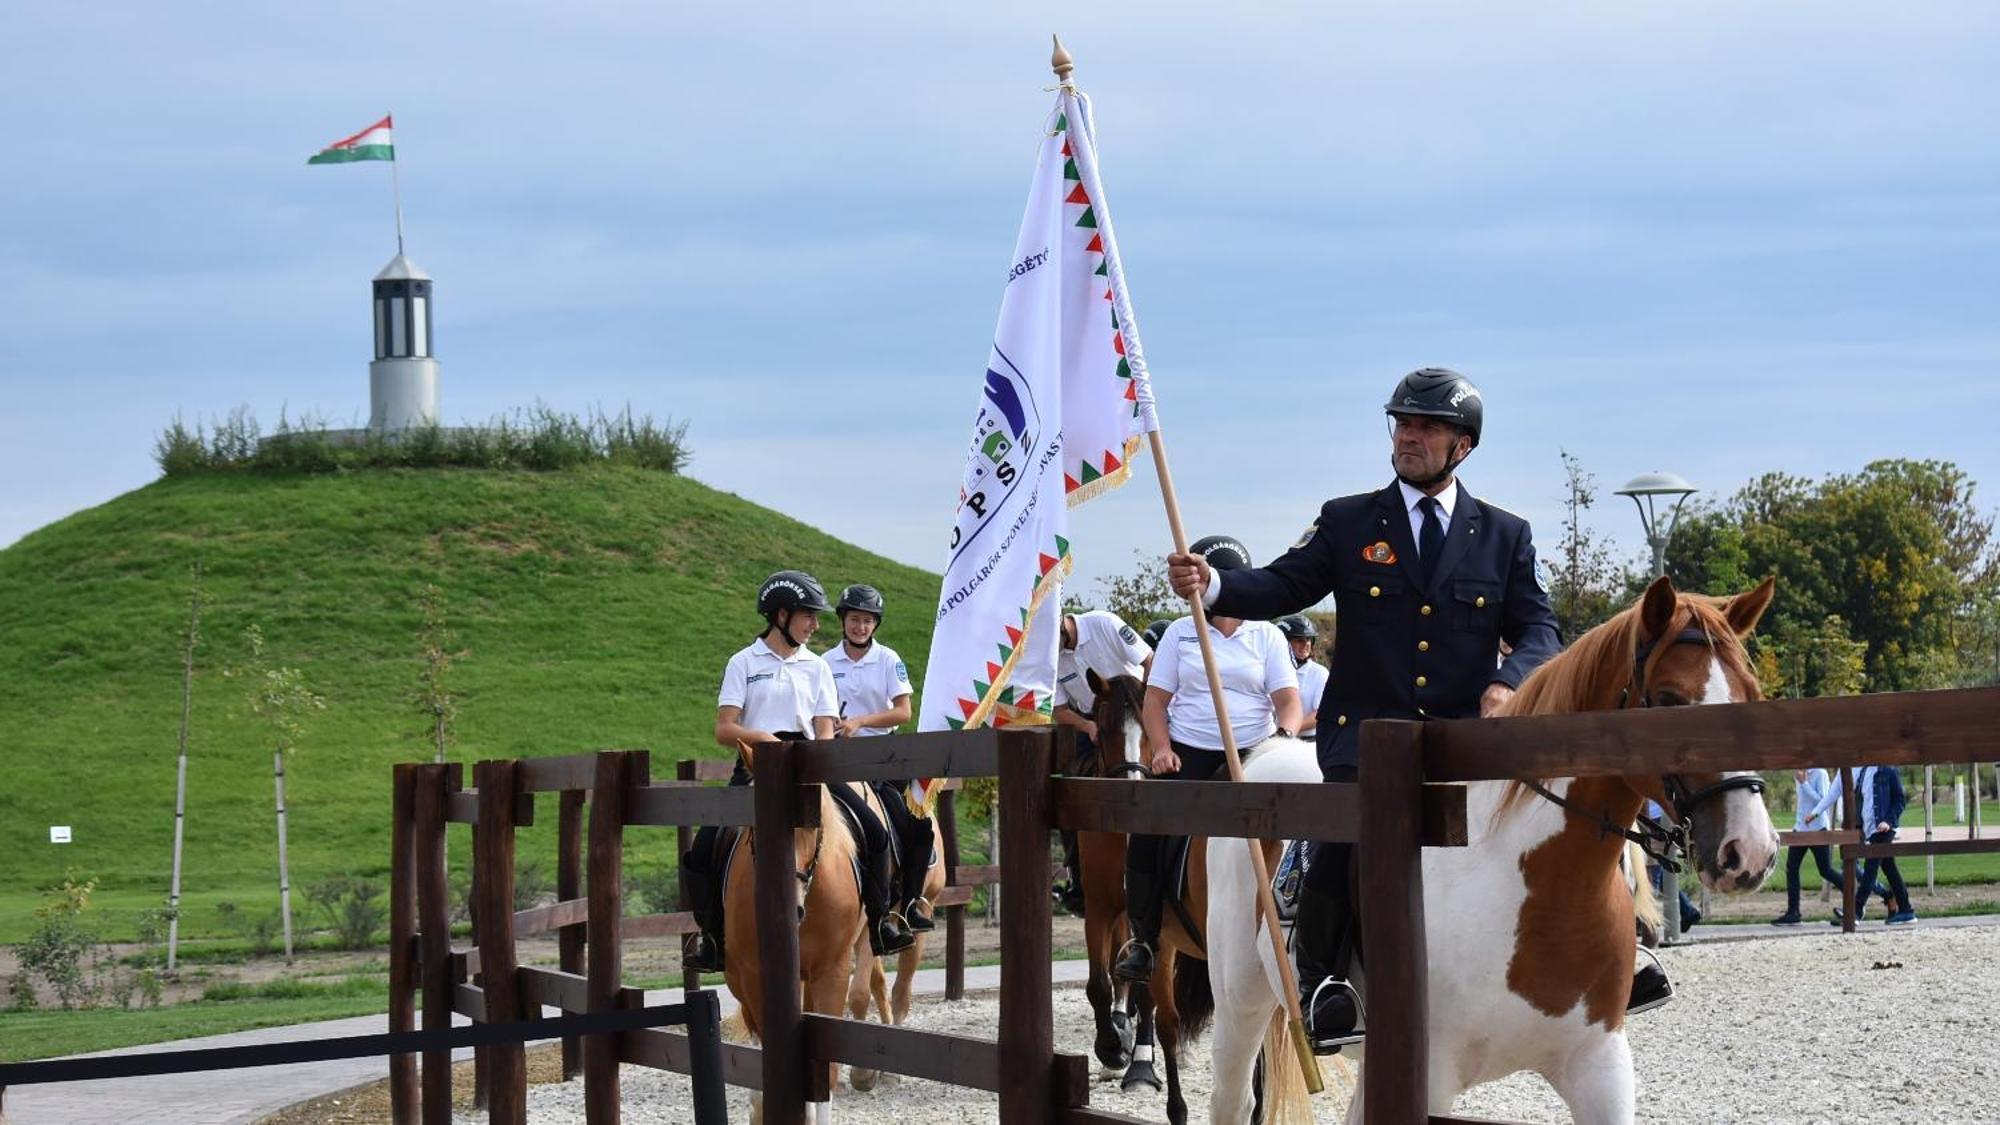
58 833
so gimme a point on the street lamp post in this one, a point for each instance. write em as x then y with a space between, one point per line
1646 490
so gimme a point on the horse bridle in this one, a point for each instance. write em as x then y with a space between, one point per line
1659 841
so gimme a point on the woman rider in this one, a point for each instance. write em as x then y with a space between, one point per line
1185 738
774 690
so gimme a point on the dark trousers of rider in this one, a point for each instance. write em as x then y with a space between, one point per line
1144 855
1795 858
1324 932
1887 865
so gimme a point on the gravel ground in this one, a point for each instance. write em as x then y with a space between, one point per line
1890 1025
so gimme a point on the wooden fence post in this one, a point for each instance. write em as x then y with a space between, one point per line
434 925
1847 865
1027 1017
607 962
507 1071
954 916
1397 1063
402 940
684 770
569 885
777 897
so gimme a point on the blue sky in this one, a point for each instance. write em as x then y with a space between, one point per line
1714 238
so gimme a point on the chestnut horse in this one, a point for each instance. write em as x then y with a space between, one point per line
1530 928
1120 753
870 979
829 921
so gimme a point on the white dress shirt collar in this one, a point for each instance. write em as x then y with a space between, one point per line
1447 500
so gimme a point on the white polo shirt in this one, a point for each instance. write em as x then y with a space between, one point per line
1255 662
1312 684
778 693
1104 645
870 685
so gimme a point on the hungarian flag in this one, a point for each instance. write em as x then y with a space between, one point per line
372 143
1063 407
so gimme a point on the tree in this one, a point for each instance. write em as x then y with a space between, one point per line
1895 559
1586 585
279 696
1143 595
435 699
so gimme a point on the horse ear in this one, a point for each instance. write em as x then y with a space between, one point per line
1656 609
1744 610
1095 681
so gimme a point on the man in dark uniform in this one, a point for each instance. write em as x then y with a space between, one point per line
1428 580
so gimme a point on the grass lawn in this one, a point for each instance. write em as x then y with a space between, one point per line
225 1008
593 608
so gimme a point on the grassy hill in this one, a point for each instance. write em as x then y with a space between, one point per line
595 609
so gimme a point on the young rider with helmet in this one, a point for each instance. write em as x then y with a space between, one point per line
775 689
1301 634
1184 732
874 688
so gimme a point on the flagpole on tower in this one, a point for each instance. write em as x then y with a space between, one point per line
1064 65
396 186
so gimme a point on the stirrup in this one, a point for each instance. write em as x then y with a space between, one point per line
1331 1044
877 939
919 921
1130 949
693 948
1665 996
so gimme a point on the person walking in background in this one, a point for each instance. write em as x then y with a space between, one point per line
1690 913
1817 796
1880 790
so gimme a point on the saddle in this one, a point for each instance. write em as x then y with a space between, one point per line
1174 864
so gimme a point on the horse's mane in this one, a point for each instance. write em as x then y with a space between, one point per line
1590 673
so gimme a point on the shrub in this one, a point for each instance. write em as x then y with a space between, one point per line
61 950
21 993
540 438
354 909
259 930
652 888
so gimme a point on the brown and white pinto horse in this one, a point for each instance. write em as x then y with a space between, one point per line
829 922
1530 928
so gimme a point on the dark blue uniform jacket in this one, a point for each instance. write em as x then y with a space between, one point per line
1410 641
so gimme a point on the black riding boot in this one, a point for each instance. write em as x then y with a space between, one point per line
887 932
1650 986
1142 908
1332 1008
1070 894
916 868
701 951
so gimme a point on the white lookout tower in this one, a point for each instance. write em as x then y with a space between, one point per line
403 379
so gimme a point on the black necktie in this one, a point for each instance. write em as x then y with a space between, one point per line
1432 536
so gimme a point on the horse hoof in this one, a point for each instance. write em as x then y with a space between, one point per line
862 1080
1141 1074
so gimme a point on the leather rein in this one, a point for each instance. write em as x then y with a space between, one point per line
1658 839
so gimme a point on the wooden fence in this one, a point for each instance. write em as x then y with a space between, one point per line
1410 796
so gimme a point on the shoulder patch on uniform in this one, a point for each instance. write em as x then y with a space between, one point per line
1544 577
1305 537
1126 634
902 670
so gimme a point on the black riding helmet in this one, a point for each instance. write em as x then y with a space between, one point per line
789 592
1439 392
860 596
1155 631
1221 552
1297 627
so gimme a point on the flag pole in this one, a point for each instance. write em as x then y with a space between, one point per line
1267 906
396 184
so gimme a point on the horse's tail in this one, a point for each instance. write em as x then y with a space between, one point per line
1193 998
1645 904
1286 1099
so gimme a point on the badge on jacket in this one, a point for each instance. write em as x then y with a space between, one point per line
1379 552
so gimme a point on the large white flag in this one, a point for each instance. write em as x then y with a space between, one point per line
1063 407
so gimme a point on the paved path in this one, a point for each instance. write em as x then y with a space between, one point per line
241 1097
244 1096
